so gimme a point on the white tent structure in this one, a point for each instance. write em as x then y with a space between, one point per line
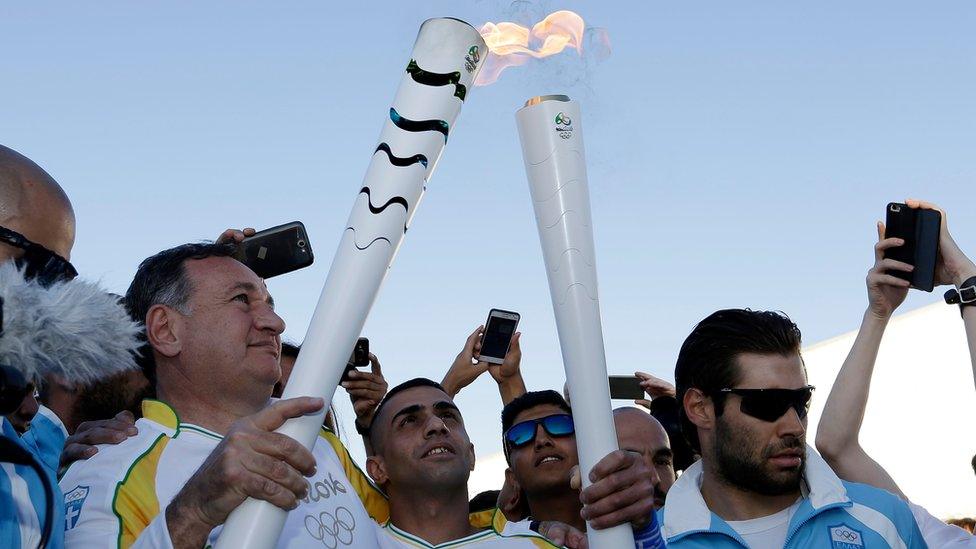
921 417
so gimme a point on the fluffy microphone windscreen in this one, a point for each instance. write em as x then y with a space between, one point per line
74 329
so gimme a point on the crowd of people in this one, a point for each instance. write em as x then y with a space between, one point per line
160 456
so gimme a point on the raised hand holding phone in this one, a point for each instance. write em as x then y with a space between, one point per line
497 338
886 288
918 229
469 364
952 265
273 251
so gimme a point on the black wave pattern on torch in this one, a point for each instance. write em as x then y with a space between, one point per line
432 125
353 229
438 79
376 210
401 161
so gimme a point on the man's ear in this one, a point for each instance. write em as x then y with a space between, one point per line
510 498
699 409
163 330
511 480
376 468
471 456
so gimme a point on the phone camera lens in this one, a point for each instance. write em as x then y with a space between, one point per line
895 208
301 243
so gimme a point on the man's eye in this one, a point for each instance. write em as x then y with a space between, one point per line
406 420
664 462
242 298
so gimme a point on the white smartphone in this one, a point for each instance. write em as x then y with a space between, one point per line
499 329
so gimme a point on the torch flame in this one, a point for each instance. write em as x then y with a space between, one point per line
508 43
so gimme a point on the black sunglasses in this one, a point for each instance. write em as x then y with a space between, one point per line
771 404
38 262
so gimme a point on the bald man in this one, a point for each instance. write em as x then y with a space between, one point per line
34 205
37 229
638 431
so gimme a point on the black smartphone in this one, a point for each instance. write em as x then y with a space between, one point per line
625 387
277 250
358 358
499 329
919 228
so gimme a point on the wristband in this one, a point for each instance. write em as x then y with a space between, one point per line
649 537
965 296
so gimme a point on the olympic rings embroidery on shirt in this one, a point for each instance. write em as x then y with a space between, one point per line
331 529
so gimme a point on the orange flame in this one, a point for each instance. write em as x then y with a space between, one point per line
508 43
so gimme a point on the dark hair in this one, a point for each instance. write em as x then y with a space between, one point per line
290 350
522 403
409 384
484 501
531 399
707 360
161 280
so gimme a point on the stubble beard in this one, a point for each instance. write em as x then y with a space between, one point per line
738 465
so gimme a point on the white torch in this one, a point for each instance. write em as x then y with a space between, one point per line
442 68
552 148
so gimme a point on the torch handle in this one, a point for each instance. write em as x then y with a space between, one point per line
444 63
552 148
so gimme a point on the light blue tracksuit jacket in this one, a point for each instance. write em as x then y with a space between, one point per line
834 514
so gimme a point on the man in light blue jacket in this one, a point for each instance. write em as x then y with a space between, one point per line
744 394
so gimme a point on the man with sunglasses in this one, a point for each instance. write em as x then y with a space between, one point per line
37 230
422 458
744 394
540 447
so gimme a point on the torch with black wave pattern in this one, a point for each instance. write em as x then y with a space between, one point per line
445 61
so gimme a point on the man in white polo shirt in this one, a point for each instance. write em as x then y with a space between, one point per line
207 443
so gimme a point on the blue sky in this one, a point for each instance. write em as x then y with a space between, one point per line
739 154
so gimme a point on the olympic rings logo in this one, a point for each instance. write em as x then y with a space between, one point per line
847 534
330 529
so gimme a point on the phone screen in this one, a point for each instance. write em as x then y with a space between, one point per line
498 334
625 387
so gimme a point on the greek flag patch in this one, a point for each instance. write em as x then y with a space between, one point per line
843 536
73 500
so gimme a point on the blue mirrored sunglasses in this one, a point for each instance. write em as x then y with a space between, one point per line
522 433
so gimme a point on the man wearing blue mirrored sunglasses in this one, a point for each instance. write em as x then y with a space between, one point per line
540 446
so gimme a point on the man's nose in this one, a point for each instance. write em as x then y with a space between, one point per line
542 438
435 425
268 319
791 424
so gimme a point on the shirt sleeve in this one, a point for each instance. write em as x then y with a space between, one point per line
939 534
155 536
374 500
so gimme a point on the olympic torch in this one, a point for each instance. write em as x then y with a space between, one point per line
445 61
552 148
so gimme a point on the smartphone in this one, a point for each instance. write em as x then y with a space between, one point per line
919 228
499 329
626 387
277 250
358 358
